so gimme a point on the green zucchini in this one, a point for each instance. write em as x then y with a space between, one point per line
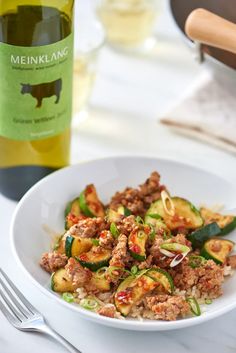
72 211
137 244
227 223
61 283
162 277
130 291
217 249
113 216
89 202
157 222
94 259
185 214
101 283
199 236
122 210
75 246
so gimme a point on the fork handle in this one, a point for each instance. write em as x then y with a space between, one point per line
50 332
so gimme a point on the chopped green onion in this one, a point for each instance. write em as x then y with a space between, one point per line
89 304
134 270
139 220
114 230
165 237
101 272
154 215
68 297
152 233
208 301
175 247
194 306
196 261
127 212
95 242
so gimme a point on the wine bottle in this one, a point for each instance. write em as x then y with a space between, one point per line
36 63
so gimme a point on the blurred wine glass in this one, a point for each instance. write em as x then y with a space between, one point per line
90 37
129 24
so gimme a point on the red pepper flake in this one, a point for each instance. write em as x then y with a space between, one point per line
135 248
124 297
147 229
72 218
95 206
103 234
83 257
132 236
89 189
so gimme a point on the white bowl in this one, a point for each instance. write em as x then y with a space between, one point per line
44 206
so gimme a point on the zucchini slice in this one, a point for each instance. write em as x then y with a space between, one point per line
199 236
122 210
113 216
157 222
94 259
227 223
59 245
163 277
61 283
217 249
186 215
72 211
101 283
137 243
130 291
75 246
89 202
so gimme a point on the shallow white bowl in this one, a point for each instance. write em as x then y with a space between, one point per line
44 206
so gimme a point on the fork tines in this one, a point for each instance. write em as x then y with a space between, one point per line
13 304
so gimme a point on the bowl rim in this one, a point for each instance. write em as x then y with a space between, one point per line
131 324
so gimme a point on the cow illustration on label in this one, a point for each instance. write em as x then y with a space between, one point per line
43 90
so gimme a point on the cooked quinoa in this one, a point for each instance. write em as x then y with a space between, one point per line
145 255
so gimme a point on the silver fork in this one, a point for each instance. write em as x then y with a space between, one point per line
22 315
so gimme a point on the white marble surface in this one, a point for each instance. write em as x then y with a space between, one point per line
129 95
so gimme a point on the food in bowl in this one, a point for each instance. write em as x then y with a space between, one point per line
145 255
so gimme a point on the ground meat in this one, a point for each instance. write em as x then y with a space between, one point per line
207 278
151 189
210 279
231 261
145 264
127 225
138 200
107 310
167 307
181 239
119 253
129 198
89 227
79 275
106 239
52 261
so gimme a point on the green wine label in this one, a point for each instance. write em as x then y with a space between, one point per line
35 90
